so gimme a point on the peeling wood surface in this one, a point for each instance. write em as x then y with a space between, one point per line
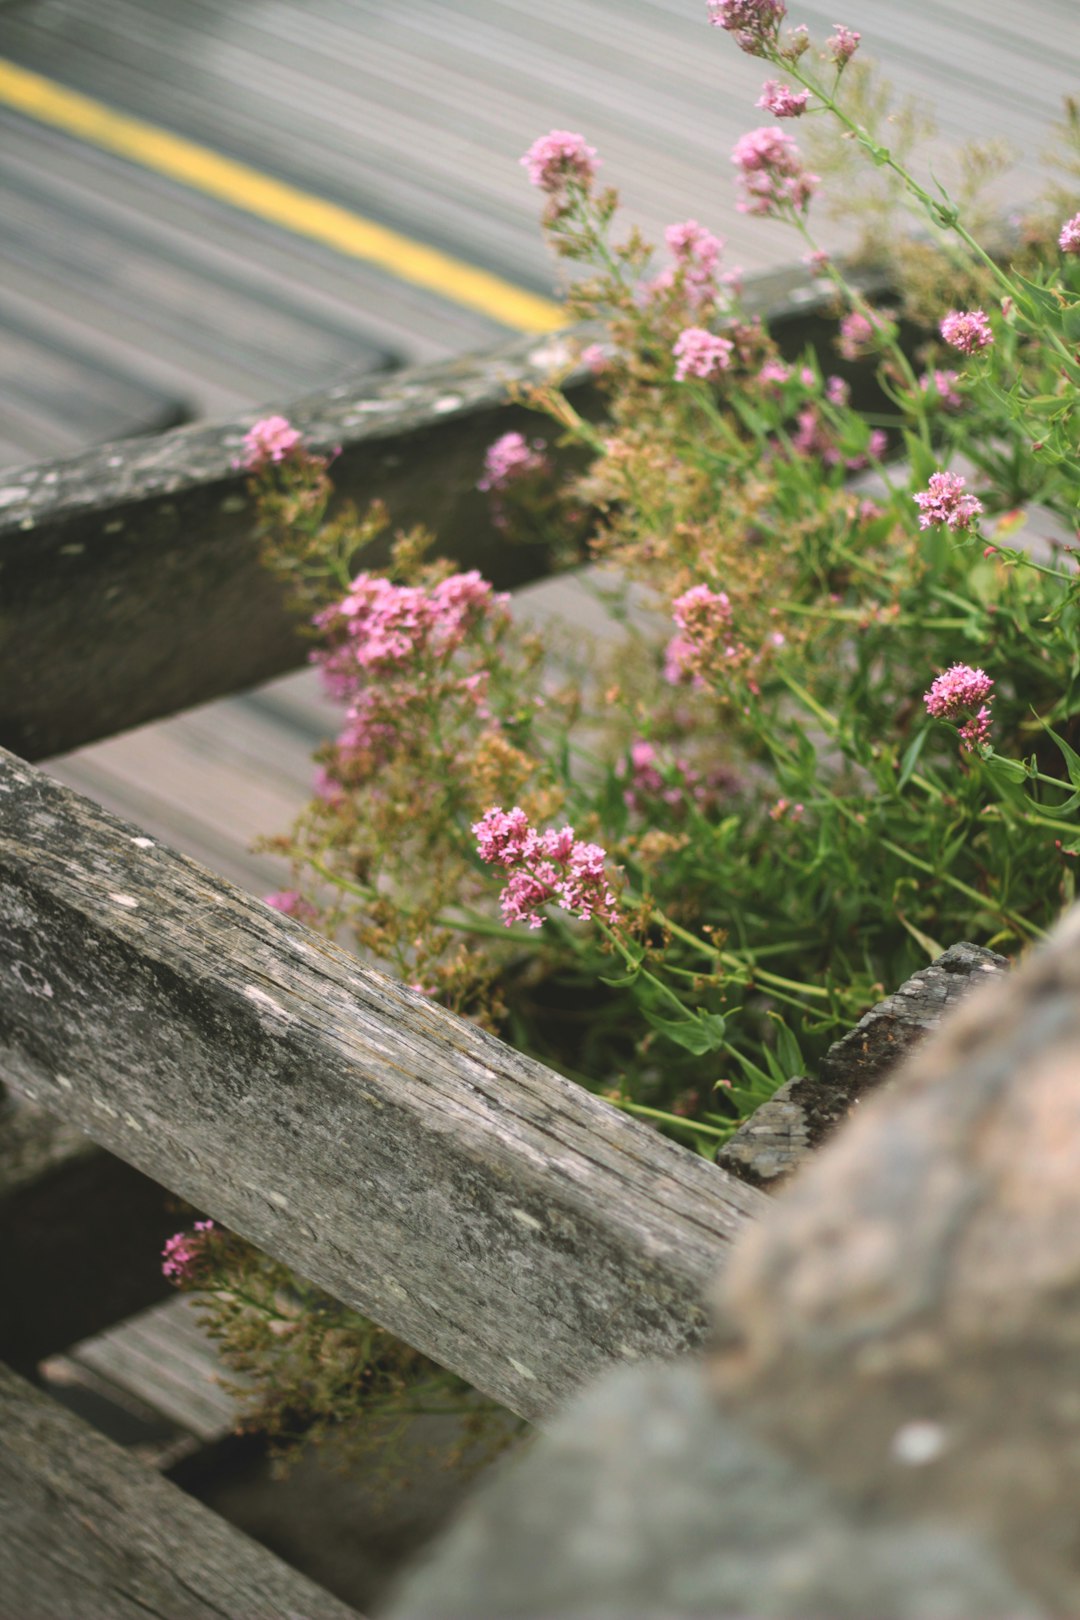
490 1212
87 1533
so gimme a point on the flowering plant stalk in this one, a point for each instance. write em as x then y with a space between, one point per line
834 728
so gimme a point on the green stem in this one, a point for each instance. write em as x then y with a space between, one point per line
667 1119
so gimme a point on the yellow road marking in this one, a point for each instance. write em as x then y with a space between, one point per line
256 193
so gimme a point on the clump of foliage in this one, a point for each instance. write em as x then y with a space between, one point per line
835 726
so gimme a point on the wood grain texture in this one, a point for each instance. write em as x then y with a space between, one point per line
132 583
88 1534
490 1212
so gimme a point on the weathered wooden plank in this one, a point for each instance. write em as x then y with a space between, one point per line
131 582
490 1212
86 1532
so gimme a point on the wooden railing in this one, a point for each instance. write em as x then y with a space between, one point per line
488 1211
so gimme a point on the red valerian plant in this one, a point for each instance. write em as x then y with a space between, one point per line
835 727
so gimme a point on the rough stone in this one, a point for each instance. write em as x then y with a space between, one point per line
776 1138
646 1500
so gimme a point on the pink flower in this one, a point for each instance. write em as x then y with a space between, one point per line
595 357
700 354
559 159
962 690
754 24
943 384
856 335
958 689
291 904
1069 240
837 391
774 371
384 628
843 44
967 330
502 836
944 504
271 439
182 1252
691 244
703 618
781 100
552 867
773 178
512 458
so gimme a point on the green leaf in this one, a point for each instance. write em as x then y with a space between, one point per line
1070 756
911 758
788 1051
700 1034
1007 776
616 984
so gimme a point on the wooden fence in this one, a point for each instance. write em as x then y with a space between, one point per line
491 1213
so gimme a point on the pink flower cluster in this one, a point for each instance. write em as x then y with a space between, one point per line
696 252
385 626
560 159
967 330
843 44
962 690
857 334
291 903
271 439
943 384
703 618
546 868
814 437
700 354
1069 240
182 1252
648 784
772 176
945 505
781 100
511 459
753 24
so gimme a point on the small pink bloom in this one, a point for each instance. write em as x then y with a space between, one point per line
271 439
696 252
559 159
510 459
753 24
772 176
596 358
943 384
291 904
976 731
551 867
962 691
967 330
818 261
1069 240
856 335
700 354
774 371
945 504
502 836
182 1252
781 100
843 44
837 391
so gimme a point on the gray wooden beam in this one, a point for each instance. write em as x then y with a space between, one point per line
130 585
86 1532
490 1212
